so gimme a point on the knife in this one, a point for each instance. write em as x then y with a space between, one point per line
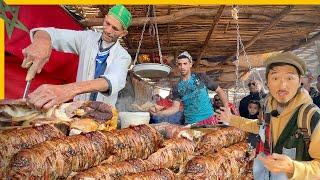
26 90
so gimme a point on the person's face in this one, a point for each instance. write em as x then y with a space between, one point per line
283 83
217 101
184 66
254 86
253 108
112 29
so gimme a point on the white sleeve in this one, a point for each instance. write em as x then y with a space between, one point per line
117 74
64 40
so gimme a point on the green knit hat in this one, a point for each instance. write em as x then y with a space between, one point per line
122 14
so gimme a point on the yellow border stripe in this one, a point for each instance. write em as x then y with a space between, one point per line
183 2
1 59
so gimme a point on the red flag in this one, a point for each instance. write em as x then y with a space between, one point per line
61 68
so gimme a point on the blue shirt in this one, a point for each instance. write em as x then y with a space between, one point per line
193 93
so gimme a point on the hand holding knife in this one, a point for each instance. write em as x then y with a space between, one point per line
36 55
29 77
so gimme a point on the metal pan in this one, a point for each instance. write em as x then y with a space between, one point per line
151 70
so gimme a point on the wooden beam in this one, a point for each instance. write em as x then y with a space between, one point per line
303 42
160 19
172 49
168 27
103 9
201 12
213 26
273 23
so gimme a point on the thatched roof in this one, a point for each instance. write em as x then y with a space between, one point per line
209 32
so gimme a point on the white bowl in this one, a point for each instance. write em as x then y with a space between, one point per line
133 118
151 70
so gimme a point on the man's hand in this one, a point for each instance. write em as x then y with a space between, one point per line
37 54
224 114
155 109
277 163
46 96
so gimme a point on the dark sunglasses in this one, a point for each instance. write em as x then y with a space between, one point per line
216 99
249 84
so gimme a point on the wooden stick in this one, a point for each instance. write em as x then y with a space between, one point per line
214 23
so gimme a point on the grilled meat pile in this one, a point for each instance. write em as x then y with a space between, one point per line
228 163
13 140
58 158
174 153
137 152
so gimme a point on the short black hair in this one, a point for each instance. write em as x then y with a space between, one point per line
273 65
255 102
182 57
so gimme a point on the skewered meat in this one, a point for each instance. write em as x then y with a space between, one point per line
228 163
84 116
134 142
174 154
223 137
113 170
14 140
58 158
159 174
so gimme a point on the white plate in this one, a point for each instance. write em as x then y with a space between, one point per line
151 70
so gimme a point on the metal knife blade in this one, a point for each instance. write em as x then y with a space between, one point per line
26 90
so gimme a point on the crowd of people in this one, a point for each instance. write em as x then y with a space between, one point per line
283 124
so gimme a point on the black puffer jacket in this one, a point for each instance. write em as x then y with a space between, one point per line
243 107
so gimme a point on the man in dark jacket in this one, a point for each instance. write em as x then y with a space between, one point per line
255 94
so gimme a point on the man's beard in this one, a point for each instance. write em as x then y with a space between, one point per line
284 104
112 38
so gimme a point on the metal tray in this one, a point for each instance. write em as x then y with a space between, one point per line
151 70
